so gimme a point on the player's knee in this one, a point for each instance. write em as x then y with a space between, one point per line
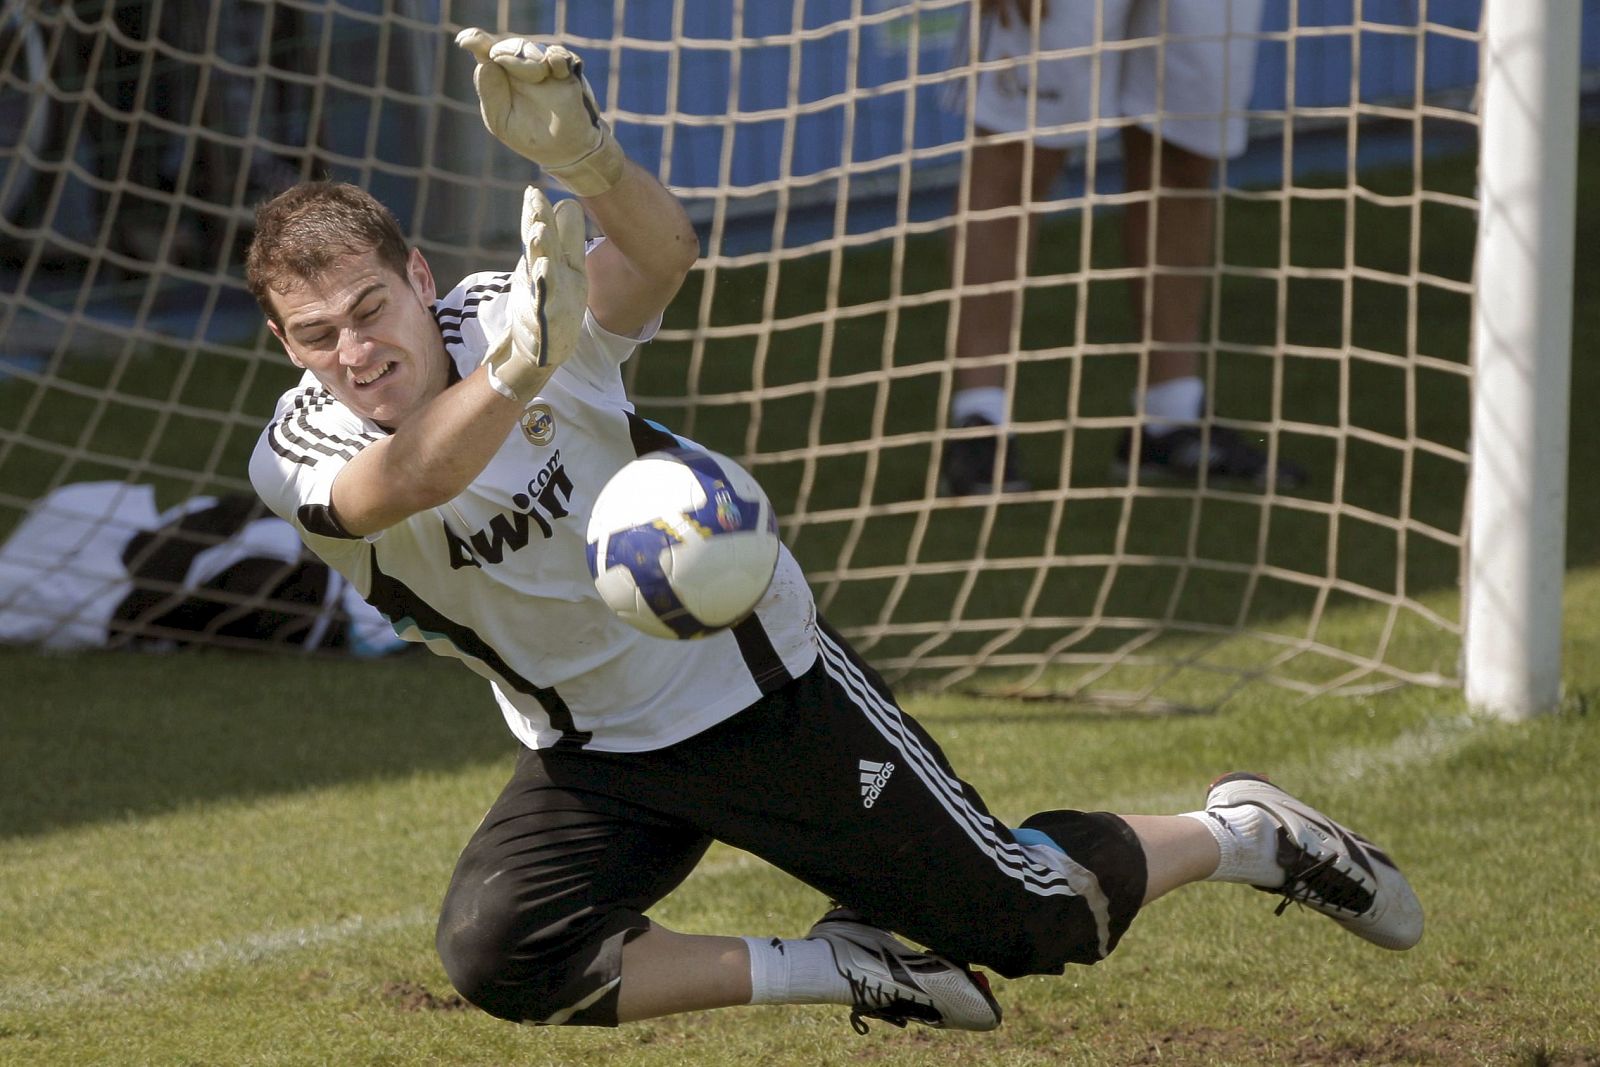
517 967
477 960
485 963
1105 848
1032 933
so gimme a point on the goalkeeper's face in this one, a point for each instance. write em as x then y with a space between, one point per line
368 335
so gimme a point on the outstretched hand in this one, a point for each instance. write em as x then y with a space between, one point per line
549 291
537 102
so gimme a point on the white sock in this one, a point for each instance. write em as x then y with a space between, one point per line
1248 840
988 403
1170 404
794 972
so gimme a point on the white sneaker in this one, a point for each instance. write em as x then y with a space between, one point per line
1329 868
897 984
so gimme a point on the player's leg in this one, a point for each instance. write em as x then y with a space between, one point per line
1182 68
1177 851
544 918
1027 113
991 246
548 900
665 972
995 243
1189 85
829 780
1168 235
866 809
1043 102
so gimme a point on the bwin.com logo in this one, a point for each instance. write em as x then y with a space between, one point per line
874 776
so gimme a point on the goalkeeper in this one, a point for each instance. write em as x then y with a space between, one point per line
442 453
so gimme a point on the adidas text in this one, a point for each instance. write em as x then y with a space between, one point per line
874 776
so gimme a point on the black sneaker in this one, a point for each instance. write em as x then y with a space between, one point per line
1178 456
971 463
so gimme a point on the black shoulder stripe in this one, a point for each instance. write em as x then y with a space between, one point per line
474 296
450 319
648 436
301 439
351 444
286 453
312 450
320 519
312 398
293 437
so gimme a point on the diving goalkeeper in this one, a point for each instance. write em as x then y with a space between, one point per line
443 452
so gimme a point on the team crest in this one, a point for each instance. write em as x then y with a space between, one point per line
539 424
728 516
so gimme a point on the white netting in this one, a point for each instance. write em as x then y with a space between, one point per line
820 146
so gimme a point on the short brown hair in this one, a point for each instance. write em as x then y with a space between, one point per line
306 229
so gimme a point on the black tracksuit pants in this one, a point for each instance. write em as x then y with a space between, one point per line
825 778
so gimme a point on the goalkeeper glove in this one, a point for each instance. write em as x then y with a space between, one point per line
537 101
549 291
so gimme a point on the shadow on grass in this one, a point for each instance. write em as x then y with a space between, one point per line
90 738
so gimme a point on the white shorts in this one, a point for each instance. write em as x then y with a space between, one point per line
1188 64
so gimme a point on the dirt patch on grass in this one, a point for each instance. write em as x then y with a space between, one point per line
414 996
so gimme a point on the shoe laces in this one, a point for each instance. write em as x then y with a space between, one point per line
895 1009
1308 881
858 1021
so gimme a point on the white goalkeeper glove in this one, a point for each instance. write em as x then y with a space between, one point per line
549 291
538 102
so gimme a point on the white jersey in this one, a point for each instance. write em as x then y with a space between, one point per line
497 577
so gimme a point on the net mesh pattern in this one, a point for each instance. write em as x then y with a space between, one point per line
821 149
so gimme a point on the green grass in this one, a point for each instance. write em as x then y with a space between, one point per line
185 880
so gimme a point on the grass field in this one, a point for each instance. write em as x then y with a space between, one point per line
193 878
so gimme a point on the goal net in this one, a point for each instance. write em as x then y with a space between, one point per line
821 147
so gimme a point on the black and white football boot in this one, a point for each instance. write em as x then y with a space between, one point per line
895 983
1328 867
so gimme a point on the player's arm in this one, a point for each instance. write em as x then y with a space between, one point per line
536 100
434 455
429 460
650 246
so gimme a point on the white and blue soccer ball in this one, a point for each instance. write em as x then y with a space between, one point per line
682 543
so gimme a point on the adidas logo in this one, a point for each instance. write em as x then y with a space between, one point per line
874 776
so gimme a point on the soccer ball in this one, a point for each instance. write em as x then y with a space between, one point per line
682 543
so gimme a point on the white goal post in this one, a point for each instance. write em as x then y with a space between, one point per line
1523 341
1381 310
